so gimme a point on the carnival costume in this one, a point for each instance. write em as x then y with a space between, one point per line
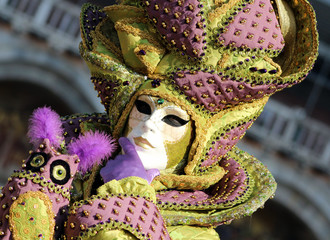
214 63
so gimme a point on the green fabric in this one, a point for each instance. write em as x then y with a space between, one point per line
190 232
176 233
264 188
128 43
31 217
180 182
100 48
122 13
112 235
132 185
140 186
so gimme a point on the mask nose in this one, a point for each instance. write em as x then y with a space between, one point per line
149 125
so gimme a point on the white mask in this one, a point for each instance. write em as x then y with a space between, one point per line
152 123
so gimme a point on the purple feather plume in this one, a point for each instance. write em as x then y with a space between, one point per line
91 148
45 123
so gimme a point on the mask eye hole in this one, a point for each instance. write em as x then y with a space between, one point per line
143 107
36 161
174 121
60 172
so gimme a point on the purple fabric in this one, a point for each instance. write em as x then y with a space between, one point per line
226 193
217 92
72 127
181 24
91 16
130 213
152 173
126 165
23 185
106 89
256 26
45 123
91 148
224 144
18 186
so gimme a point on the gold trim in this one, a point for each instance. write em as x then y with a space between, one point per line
113 8
219 11
123 25
122 7
156 76
148 48
219 2
49 209
105 41
275 65
191 165
99 63
181 182
223 60
152 49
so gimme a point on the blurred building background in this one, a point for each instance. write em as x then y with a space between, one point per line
40 65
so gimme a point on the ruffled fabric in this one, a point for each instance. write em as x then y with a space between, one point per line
190 232
130 185
112 234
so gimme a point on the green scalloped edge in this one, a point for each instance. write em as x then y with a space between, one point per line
80 203
93 231
218 133
243 197
65 192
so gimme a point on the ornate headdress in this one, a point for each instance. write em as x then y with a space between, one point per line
217 59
